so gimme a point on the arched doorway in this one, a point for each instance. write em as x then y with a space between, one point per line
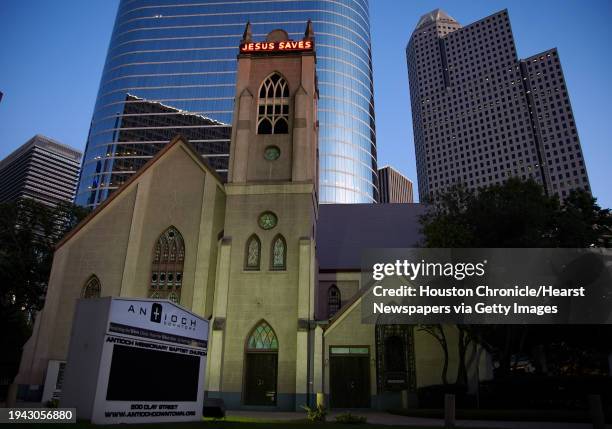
261 366
395 365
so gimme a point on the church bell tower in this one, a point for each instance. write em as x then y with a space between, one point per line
265 276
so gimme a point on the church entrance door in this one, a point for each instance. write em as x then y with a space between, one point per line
349 377
260 379
261 366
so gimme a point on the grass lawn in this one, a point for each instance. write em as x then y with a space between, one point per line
566 416
229 423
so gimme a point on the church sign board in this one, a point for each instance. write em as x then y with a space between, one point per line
135 361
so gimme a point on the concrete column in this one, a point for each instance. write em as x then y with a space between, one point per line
301 370
302 165
317 361
304 287
243 134
305 280
203 257
242 80
214 364
128 286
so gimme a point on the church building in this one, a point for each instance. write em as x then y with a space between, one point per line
277 274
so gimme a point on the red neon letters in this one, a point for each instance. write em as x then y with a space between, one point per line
285 45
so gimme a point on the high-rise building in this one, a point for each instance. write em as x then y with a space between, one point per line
482 115
146 127
41 169
181 56
394 187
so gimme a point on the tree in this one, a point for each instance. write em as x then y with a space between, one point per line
581 222
437 331
516 214
29 231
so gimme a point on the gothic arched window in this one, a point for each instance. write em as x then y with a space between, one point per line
167 266
278 255
273 106
92 288
262 338
252 255
333 300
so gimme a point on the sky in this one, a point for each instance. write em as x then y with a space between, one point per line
52 54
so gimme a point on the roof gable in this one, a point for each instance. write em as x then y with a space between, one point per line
177 143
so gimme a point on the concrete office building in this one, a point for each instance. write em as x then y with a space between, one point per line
182 55
482 115
394 186
41 169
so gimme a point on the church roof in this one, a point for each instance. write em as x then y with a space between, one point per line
178 140
345 230
433 16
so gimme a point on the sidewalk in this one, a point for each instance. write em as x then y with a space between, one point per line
381 418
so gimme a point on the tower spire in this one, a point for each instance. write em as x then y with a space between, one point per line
309 33
247 36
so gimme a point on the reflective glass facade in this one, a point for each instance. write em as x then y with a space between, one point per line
171 67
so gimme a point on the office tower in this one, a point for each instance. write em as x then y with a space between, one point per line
394 187
181 57
148 126
481 115
41 169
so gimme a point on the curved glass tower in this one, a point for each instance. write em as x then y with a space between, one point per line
171 66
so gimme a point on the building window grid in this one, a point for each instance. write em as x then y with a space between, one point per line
481 87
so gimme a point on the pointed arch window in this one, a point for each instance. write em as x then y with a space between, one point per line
278 255
273 106
92 288
167 266
252 257
334 300
262 338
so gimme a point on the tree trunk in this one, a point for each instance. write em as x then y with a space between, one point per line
463 342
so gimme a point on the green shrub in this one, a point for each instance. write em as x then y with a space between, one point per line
315 414
52 403
349 418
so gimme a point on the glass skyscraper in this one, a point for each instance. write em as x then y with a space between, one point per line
171 68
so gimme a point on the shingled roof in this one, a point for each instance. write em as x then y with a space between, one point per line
345 230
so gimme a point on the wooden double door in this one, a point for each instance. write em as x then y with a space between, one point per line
349 379
260 379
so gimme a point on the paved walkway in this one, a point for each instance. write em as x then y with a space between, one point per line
382 418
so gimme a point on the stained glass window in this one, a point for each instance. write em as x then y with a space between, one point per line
333 300
272 153
279 253
273 105
267 220
92 288
167 266
262 338
253 253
